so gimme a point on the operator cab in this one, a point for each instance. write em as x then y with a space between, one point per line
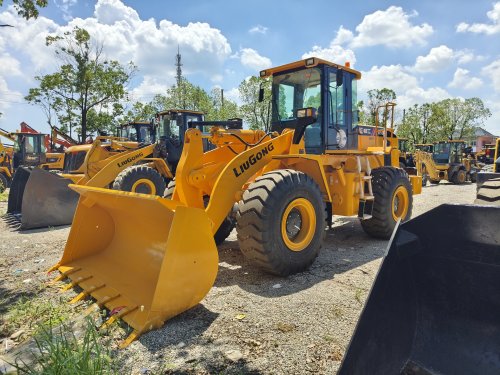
328 88
29 150
448 152
403 145
138 131
172 125
425 147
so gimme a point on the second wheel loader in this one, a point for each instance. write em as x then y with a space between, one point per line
136 254
448 161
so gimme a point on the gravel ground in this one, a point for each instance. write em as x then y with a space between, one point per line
250 322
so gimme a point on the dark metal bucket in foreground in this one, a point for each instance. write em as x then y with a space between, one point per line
40 199
435 305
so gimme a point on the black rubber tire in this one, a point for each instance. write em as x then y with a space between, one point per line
4 183
385 181
225 228
489 193
259 221
434 182
126 179
456 180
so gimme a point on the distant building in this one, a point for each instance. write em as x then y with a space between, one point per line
480 138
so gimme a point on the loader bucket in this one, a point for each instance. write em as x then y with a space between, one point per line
435 305
41 199
137 255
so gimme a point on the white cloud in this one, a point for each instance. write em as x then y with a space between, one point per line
65 6
492 124
233 95
391 27
492 72
149 87
8 95
343 36
151 45
462 80
439 58
259 29
333 53
10 65
250 58
405 85
484 28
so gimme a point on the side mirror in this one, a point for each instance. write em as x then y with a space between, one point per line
261 93
339 77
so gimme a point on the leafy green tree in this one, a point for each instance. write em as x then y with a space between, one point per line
221 109
141 112
28 8
255 113
84 82
457 118
377 98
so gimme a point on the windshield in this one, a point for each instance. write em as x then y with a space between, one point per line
145 134
403 145
169 127
292 91
137 132
128 131
441 153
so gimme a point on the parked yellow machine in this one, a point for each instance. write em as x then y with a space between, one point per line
6 153
447 162
136 254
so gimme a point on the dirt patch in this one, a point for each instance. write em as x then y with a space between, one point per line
250 322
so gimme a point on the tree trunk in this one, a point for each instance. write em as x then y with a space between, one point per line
84 126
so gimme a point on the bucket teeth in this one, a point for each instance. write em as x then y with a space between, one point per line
129 339
120 314
86 293
74 283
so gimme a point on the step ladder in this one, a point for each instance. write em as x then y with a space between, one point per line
366 197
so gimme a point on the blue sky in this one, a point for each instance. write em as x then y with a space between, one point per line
426 50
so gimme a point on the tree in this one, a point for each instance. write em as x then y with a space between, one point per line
457 118
222 108
254 113
377 98
85 81
28 8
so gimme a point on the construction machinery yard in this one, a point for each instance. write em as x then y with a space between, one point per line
221 269
250 321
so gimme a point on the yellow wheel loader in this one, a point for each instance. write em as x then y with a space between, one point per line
494 172
143 166
28 150
448 161
6 153
136 255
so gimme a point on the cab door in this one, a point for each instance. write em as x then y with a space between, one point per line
339 114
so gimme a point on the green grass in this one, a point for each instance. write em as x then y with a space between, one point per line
31 313
4 196
60 351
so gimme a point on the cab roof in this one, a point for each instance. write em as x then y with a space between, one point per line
310 62
135 123
450 141
179 111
